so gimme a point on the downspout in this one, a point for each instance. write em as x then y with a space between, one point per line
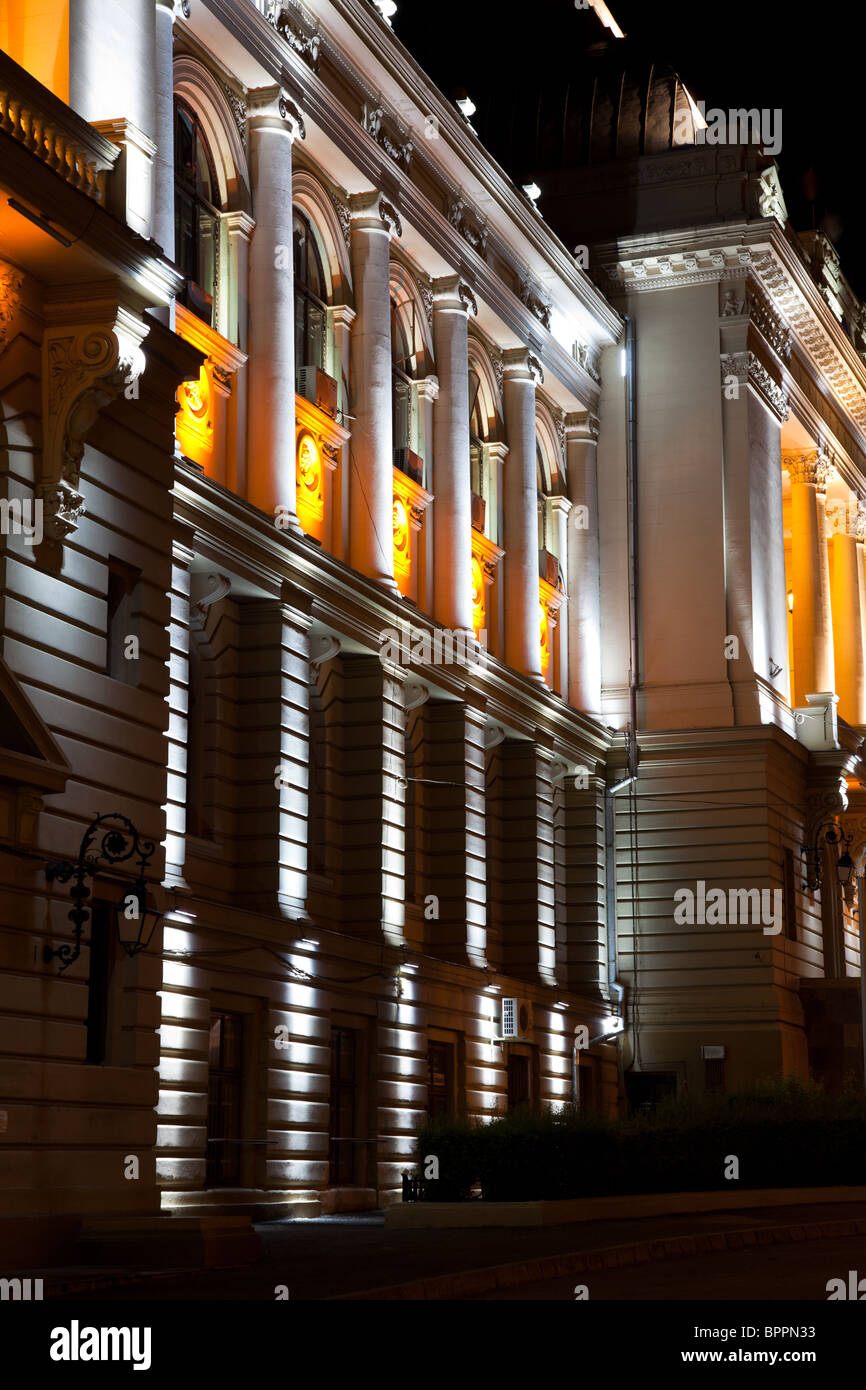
615 987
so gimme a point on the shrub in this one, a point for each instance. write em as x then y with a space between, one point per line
786 1134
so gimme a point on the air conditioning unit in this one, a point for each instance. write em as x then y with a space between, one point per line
316 386
516 1018
410 464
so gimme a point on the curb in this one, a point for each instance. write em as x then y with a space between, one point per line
472 1282
63 1288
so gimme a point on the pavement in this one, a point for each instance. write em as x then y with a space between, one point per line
354 1256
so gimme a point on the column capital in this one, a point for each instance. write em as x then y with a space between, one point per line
451 294
371 212
342 315
427 388
809 466
847 518
271 108
239 223
519 364
582 427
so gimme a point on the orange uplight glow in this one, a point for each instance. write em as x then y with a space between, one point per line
478 604
195 418
544 626
402 548
790 600
309 477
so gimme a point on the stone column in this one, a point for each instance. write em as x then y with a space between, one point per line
846 582
342 319
522 634
163 169
813 636
450 763
560 507
452 488
239 229
584 597
273 756
371 528
521 889
274 123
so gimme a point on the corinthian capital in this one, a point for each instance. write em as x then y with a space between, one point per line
90 353
809 466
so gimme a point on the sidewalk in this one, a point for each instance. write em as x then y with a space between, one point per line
337 1257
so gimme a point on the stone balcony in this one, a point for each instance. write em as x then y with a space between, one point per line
45 125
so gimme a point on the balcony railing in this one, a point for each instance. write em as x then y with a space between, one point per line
46 127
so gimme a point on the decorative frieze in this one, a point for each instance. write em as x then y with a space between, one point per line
769 323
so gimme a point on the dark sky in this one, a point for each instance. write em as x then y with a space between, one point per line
806 61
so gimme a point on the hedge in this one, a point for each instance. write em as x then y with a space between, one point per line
783 1134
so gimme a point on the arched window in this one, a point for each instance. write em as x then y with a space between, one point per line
196 213
478 432
548 486
311 293
403 368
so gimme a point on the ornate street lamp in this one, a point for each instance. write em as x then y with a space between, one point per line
828 834
112 844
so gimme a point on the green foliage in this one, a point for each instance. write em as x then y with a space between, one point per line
785 1134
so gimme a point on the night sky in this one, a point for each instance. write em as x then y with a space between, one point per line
805 60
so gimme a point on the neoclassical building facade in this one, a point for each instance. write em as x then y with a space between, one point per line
421 609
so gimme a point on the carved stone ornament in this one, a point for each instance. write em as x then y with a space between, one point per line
390 217
343 217
239 111
11 281
304 39
290 112
809 466
467 222
388 133
531 296
84 368
467 298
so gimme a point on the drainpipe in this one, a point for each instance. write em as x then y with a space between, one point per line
615 988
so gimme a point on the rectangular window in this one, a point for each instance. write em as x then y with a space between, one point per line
519 1081
224 1086
123 623
344 1068
440 1079
103 949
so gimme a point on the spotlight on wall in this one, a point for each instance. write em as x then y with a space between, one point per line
386 8
790 600
532 191
467 106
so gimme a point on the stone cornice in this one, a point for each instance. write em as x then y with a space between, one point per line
344 127
772 266
238 540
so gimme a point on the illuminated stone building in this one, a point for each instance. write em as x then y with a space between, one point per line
748 468
319 648
363 644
